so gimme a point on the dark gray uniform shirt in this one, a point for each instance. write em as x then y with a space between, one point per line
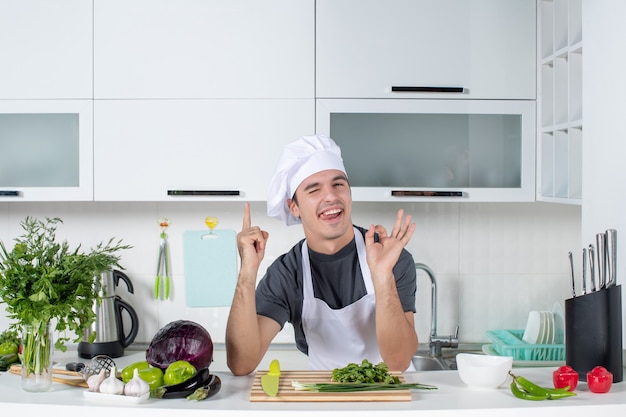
337 280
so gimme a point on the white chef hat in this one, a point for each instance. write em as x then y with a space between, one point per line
299 160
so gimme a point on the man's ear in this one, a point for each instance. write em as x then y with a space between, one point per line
293 208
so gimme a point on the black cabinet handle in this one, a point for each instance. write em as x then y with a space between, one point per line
200 193
409 89
426 193
10 193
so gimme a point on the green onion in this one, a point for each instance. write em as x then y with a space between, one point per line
354 387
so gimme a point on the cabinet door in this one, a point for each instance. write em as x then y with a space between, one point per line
46 49
146 150
434 150
46 150
204 49
364 48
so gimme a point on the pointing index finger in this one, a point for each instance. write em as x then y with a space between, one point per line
246 217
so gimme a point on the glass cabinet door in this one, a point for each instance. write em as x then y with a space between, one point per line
46 150
444 149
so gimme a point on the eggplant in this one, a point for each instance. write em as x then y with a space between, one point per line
208 390
185 388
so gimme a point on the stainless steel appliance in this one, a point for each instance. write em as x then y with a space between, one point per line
110 335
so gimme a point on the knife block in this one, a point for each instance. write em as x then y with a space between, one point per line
593 332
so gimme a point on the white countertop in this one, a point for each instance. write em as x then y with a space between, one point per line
452 398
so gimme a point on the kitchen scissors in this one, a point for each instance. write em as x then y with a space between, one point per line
163 264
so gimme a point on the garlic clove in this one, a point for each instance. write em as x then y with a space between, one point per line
94 381
136 387
112 385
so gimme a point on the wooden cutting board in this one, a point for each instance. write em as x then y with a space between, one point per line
287 393
79 381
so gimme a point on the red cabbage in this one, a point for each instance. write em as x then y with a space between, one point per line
180 340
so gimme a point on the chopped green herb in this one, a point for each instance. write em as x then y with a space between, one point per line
366 372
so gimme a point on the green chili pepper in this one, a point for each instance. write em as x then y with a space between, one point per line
527 390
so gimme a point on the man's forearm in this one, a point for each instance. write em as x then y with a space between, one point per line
395 331
243 342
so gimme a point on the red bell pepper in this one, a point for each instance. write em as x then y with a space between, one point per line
599 380
565 376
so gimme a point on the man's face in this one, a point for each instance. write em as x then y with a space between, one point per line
324 205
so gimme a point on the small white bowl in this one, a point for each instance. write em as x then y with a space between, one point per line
483 371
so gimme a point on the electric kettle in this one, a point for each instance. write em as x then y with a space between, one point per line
111 337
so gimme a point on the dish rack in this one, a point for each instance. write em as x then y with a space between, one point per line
510 343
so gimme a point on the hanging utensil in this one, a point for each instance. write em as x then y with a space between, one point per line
163 264
571 272
592 269
611 257
210 222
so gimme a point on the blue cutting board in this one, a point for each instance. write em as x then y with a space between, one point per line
210 267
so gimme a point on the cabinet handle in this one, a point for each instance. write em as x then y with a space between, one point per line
10 193
408 89
401 193
178 193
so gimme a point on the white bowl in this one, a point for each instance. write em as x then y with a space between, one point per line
483 371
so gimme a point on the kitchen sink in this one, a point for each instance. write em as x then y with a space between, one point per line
429 363
424 361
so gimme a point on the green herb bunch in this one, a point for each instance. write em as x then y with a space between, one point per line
366 372
42 280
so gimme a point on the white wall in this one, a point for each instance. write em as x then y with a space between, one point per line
604 141
494 261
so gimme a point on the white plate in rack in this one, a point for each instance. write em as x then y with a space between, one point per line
534 328
559 323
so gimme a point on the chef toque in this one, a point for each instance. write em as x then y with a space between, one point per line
299 160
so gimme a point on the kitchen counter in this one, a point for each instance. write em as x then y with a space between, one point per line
452 398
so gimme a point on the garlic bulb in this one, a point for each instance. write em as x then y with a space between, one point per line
94 381
112 385
136 387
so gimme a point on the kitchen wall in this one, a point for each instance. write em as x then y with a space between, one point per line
604 202
493 261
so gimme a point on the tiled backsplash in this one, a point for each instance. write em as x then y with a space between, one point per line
493 261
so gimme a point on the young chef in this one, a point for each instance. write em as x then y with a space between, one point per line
348 292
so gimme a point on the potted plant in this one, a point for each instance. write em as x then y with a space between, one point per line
46 285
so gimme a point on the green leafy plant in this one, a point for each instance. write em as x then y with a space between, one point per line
44 281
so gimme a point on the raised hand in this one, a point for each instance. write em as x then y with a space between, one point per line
383 255
251 242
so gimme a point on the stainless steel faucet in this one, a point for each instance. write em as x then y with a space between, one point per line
437 342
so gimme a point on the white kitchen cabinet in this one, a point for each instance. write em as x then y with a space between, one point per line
193 150
434 150
368 49
46 49
560 124
203 49
46 150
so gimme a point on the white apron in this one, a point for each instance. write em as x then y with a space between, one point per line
339 337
